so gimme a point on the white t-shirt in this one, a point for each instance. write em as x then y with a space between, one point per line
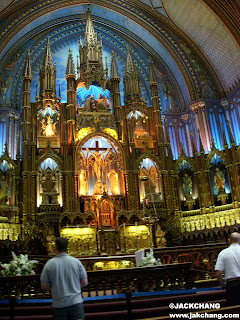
228 261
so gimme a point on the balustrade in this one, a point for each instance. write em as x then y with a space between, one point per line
154 278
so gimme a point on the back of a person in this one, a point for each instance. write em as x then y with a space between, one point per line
232 261
65 276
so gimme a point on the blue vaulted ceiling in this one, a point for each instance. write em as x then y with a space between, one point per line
143 26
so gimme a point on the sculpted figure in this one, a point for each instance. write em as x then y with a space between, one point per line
207 87
83 183
97 163
113 178
101 103
187 185
49 129
219 181
49 194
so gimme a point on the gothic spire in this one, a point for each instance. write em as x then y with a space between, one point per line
28 69
114 68
48 73
90 34
130 66
91 63
131 80
70 64
48 61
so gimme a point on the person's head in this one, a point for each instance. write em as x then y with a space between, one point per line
234 238
61 244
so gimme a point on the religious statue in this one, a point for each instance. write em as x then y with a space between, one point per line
48 129
102 103
3 91
207 87
149 187
3 191
219 181
90 104
83 183
50 241
187 185
49 194
139 130
97 163
169 96
113 178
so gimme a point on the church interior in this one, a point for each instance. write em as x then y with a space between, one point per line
120 124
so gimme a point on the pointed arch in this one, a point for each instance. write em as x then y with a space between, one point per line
150 180
184 158
53 156
211 155
49 180
103 134
150 155
100 164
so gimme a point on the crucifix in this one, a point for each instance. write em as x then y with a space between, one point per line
98 158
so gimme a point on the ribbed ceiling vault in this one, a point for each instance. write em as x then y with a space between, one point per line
151 33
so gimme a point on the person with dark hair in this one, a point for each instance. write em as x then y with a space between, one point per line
65 276
228 261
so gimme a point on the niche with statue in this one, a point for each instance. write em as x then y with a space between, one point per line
49 184
187 186
149 181
220 182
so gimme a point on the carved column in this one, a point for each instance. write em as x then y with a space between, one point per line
185 118
202 123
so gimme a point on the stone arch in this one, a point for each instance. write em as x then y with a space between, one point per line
211 154
100 163
49 180
187 159
150 180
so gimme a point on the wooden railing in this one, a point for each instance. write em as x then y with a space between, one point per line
202 257
155 278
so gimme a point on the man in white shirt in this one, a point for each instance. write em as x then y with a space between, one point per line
228 262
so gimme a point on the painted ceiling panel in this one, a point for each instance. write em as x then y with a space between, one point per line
124 24
204 27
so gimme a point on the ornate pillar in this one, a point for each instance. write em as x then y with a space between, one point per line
185 118
202 123
225 105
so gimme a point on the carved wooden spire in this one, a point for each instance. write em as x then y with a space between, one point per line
48 73
91 64
114 68
131 80
70 70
